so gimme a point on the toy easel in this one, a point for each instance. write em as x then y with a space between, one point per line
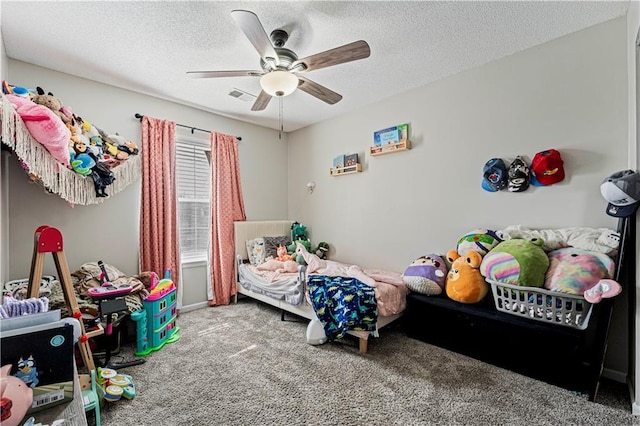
48 239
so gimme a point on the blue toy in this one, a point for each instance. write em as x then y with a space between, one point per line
27 372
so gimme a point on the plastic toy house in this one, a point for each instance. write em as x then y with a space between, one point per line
156 324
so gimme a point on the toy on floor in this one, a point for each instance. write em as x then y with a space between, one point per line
115 385
158 326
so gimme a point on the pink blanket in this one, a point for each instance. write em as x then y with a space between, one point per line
390 290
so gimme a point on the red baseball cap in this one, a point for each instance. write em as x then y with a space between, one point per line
547 167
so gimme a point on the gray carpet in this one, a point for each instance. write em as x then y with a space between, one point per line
240 365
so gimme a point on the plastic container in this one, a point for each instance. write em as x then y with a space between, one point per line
542 305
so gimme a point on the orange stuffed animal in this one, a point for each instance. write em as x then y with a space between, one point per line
282 255
464 282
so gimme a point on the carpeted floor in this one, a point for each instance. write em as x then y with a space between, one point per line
240 365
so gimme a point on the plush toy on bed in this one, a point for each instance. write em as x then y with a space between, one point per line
282 255
426 275
298 231
291 249
322 250
517 262
581 272
480 240
464 282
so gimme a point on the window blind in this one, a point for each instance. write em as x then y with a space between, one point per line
193 183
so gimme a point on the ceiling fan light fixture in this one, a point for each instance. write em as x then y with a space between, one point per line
279 83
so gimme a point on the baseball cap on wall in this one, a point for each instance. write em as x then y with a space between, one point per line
547 167
622 191
518 175
494 175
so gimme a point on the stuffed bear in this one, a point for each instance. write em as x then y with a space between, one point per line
518 262
480 240
581 272
426 275
464 282
51 102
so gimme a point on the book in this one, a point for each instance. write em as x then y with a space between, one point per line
338 162
42 357
391 135
350 160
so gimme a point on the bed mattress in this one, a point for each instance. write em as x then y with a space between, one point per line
279 286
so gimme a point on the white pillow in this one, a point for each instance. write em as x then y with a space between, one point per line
255 251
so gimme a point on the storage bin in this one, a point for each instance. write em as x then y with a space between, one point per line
542 305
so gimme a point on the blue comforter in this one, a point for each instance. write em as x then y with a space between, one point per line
343 304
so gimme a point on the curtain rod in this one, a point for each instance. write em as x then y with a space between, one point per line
140 116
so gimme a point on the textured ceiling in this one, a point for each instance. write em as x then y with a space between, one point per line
148 46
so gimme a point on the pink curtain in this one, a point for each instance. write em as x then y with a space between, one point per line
227 206
159 245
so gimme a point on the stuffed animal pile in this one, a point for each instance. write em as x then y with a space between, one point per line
72 141
482 256
299 236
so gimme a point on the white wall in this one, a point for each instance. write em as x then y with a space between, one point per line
569 94
4 193
633 62
110 231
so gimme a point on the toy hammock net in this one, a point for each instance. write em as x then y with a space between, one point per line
53 176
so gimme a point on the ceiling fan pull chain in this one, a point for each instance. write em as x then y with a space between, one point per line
280 117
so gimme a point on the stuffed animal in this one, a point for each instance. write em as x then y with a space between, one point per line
581 272
426 275
51 102
464 282
81 161
16 396
291 249
45 127
282 255
480 240
102 177
120 147
322 250
298 232
518 262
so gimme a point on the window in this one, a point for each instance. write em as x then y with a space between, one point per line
194 182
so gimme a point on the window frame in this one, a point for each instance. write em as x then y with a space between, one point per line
204 143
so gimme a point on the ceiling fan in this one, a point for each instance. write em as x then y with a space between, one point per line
281 67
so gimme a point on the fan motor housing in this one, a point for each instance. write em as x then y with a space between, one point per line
286 57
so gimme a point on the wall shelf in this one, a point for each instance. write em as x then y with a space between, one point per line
341 171
390 148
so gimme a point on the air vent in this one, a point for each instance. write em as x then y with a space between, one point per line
242 95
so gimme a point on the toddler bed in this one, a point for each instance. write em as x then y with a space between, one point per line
288 289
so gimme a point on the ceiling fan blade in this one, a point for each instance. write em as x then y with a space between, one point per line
215 74
319 91
261 102
253 29
347 53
